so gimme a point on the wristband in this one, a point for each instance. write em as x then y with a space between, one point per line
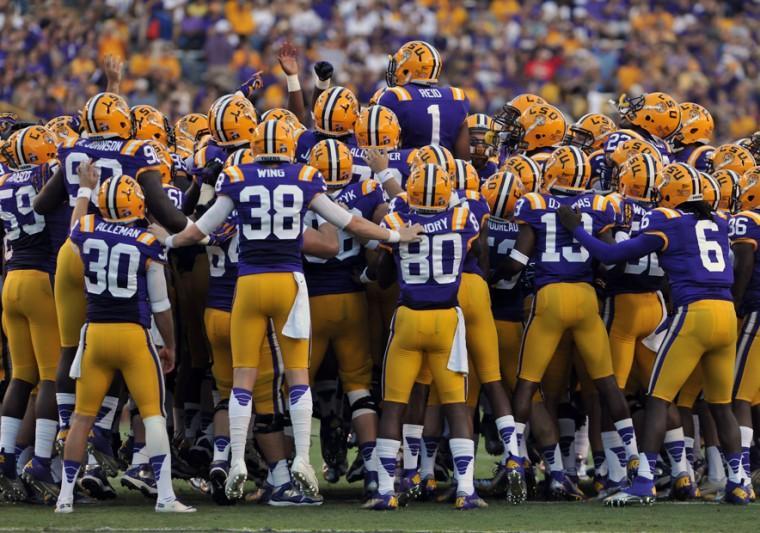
519 256
293 84
322 84
394 236
169 242
84 192
385 175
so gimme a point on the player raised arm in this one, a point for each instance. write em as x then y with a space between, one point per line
288 58
88 182
113 68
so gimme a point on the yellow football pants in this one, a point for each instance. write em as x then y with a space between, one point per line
747 371
70 300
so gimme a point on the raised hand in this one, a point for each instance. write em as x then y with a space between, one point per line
89 174
252 84
288 58
113 67
376 159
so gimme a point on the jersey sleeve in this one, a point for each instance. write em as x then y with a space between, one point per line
391 221
463 221
460 102
656 222
744 228
81 227
604 213
229 181
373 195
146 155
152 248
528 209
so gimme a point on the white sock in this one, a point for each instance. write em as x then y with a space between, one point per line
301 407
386 450
746 434
221 448
715 469
625 430
567 444
506 427
280 473
553 458
44 436
463 453
676 448
108 410
697 436
614 453
65 401
427 457
9 428
522 448
689 451
157 448
412 439
240 418
68 481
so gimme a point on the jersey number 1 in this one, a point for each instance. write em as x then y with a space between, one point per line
435 128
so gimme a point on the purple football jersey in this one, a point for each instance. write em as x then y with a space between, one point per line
114 157
480 210
222 251
335 276
430 270
695 155
427 114
506 295
271 200
399 161
116 258
309 138
27 240
640 275
559 257
175 194
208 153
695 256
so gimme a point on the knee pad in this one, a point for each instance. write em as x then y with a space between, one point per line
362 405
223 405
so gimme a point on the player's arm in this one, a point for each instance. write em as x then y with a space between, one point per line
377 160
52 194
288 58
321 242
361 227
518 257
639 246
481 248
250 86
197 232
385 269
324 72
88 181
161 308
462 144
113 67
190 200
744 264
159 204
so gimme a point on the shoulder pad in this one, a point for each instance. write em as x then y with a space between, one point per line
401 94
459 218
667 212
199 158
600 203
307 173
458 94
369 186
147 238
234 174
750 214
130 147
393 221
535 200
87 224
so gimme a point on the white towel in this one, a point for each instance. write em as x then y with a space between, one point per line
76 365
458 357
655 339
155 335
298 325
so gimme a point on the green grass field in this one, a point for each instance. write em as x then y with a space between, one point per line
341 512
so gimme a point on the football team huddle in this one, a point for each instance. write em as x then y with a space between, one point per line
413 275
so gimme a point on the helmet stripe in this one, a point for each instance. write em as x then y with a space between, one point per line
503 193
332 158
439 156
269 135
651 175
435 72
429 185
91 112
373 126
578 159
460 175
113 187
19 148
219 117
332 99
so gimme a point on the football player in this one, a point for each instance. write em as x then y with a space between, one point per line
538 131
270 281
120 302
378 136
335 113
565 299
338 303
482 144
29 318
693 245
428 113
429 275
505 121
691 144
655 117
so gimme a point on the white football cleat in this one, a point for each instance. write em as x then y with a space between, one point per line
175 506
304 475
64 507
236 479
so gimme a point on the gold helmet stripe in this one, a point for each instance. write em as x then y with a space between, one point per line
429 185
269 135
503 193
333 159
373 126
578 160
113 187
330 105
219 117
19 148
91 112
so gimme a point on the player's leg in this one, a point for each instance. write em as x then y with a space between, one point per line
747 382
